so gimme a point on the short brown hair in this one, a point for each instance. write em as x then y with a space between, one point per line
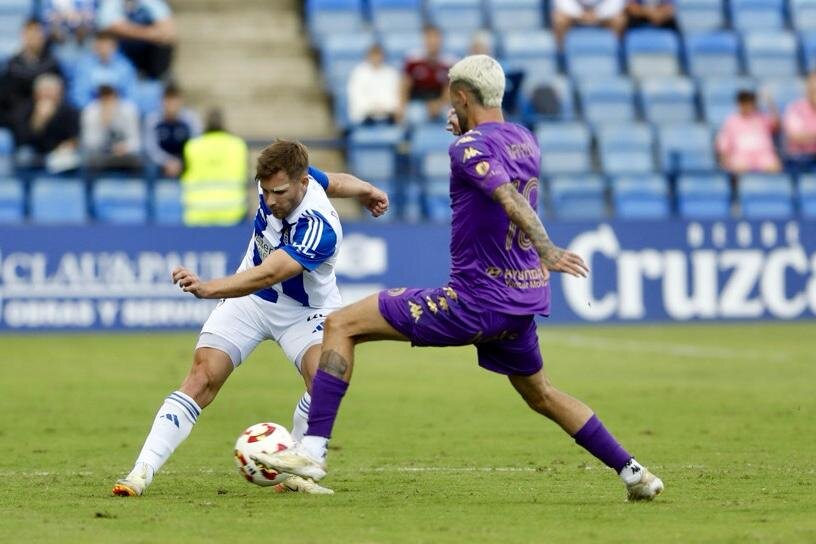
291 157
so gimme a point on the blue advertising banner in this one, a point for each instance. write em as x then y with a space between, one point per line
104 277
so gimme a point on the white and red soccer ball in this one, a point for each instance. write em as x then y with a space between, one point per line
261 438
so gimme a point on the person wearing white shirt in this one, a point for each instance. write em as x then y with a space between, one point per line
374 90
606 13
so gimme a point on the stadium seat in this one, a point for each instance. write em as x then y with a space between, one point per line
771 54
531 51
120 200
455 15
58 201
325 17
565 148
514 15
166 202
560 86
12 201
751 15
429 150
668 100
783 91
807 196
372 151
578 197
398 45
21 8
808 45
686 148
607 100
396 15
591 52
703 196
718 96
641 197
652 52
700 15
148 97
437 199
712 54
803 14
626 148
766 196
457 44
340 53
6 142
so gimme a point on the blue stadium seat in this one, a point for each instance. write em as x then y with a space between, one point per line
12 201
456 15
591 52
58 201
700 15
9 45
340 53
686 148
148 97
771 54
626 148
783 91
166 202
718 97
641 197
712 54
429 150
566 148
652 52
120 200
531 51
396 15
803 14
457 44
807 196
398 45
704 196
578 197
668 100
766 196
21 8
329 16
6 142
372 151
808 44
563 90
750 15
607 100
514 15
437 199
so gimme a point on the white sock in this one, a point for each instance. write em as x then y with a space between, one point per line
316 446
172 425
300 419
631 472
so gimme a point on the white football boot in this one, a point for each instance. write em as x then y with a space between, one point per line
296 461
303 485
647 488
135 483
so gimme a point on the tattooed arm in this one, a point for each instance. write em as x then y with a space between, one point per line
522 214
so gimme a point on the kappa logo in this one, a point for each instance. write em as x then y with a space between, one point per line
469 153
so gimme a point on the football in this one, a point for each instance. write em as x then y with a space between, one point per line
261 438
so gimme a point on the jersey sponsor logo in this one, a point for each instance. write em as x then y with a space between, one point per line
482 168
469 153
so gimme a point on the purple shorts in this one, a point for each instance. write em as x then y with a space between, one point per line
506 344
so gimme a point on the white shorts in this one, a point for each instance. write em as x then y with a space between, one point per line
237 325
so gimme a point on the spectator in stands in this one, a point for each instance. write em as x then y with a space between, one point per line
103 66
22 69
800 127
607 13
651 13
146 29
47 130
745 141
425 83
167 131
110 133
374 90
68 20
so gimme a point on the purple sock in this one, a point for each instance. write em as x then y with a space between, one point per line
327 392
594 438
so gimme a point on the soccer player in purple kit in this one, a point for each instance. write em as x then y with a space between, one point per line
501 257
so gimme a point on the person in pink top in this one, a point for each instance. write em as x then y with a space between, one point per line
745 141
799 125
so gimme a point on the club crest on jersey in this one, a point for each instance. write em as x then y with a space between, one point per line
482 168
469 153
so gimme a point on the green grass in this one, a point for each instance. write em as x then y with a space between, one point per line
428 447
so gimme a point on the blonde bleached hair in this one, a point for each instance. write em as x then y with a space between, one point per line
484 76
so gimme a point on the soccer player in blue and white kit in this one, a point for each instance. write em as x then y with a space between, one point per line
501 259
282 291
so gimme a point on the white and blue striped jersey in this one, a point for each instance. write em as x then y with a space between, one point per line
311 235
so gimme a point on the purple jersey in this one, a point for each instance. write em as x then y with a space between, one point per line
493 264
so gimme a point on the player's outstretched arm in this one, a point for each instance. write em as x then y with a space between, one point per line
343 185
277 267
524 216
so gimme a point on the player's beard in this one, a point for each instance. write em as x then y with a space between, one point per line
463 122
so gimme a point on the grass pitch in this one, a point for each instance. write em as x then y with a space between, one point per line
428 447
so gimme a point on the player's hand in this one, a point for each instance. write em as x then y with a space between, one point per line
376 202
189 282
569 263
453 123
